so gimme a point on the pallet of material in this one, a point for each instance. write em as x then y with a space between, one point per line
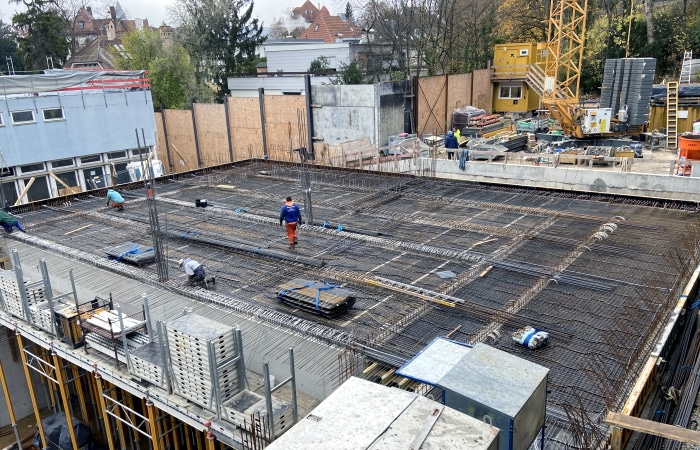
316 297
107 323
245 404
132 253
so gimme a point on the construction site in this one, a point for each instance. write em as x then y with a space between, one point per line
410 260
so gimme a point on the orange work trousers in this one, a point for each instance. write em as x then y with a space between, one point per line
291 232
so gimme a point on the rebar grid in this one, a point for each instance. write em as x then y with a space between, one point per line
600 298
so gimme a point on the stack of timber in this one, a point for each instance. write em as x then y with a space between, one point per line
201 351
316 297
246 404
12 297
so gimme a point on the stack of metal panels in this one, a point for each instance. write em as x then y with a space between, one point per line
147 364
246 404
627 83
316 297
11 293
106 345
198 374
41 313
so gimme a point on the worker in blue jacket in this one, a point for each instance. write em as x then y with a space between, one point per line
291 214
451 145
115 200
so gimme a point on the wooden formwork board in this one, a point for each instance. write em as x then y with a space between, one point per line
482 91
432 97
163 151
181 139
212 134
459 90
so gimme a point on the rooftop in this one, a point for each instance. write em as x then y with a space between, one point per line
424 258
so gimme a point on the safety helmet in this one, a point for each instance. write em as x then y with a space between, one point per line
181 262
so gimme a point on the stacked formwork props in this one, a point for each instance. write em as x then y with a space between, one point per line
14 289
204 361
627 84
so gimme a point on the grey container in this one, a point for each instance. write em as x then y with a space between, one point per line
501 389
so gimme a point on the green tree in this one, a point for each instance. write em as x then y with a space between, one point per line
320 65
8 47
169 67
40 36
221 36
348 12
349 74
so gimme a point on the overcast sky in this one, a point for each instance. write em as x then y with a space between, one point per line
156 10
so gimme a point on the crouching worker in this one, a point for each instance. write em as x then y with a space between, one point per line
114 200
8 221
195 272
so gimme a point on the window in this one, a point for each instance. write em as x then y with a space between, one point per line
81 24
116 155
32 168
143 151
51 114
63 163
511 91
90 159
316 28
2 121
21 117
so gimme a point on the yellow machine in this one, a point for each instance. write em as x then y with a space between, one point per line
562 76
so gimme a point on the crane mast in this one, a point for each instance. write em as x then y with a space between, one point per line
565 43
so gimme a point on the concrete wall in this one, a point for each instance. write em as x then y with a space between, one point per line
94 123
344 113
391 98
568 178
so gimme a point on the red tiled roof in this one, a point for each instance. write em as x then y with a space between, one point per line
308 11
331 28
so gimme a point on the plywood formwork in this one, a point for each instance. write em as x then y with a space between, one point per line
432 105
246 129
181 140
482 93
459 88
164 153
212 134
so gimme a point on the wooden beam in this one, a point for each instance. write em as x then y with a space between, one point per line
24 191
654 428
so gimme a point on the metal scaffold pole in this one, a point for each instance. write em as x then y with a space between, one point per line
149 183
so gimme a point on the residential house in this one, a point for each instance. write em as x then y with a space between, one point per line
309 12
518 76
332 29
95 37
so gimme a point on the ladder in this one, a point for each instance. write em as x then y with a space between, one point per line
686 72
672 115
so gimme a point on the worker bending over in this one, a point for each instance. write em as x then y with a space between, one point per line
8 221
195 272
115 200
291 214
